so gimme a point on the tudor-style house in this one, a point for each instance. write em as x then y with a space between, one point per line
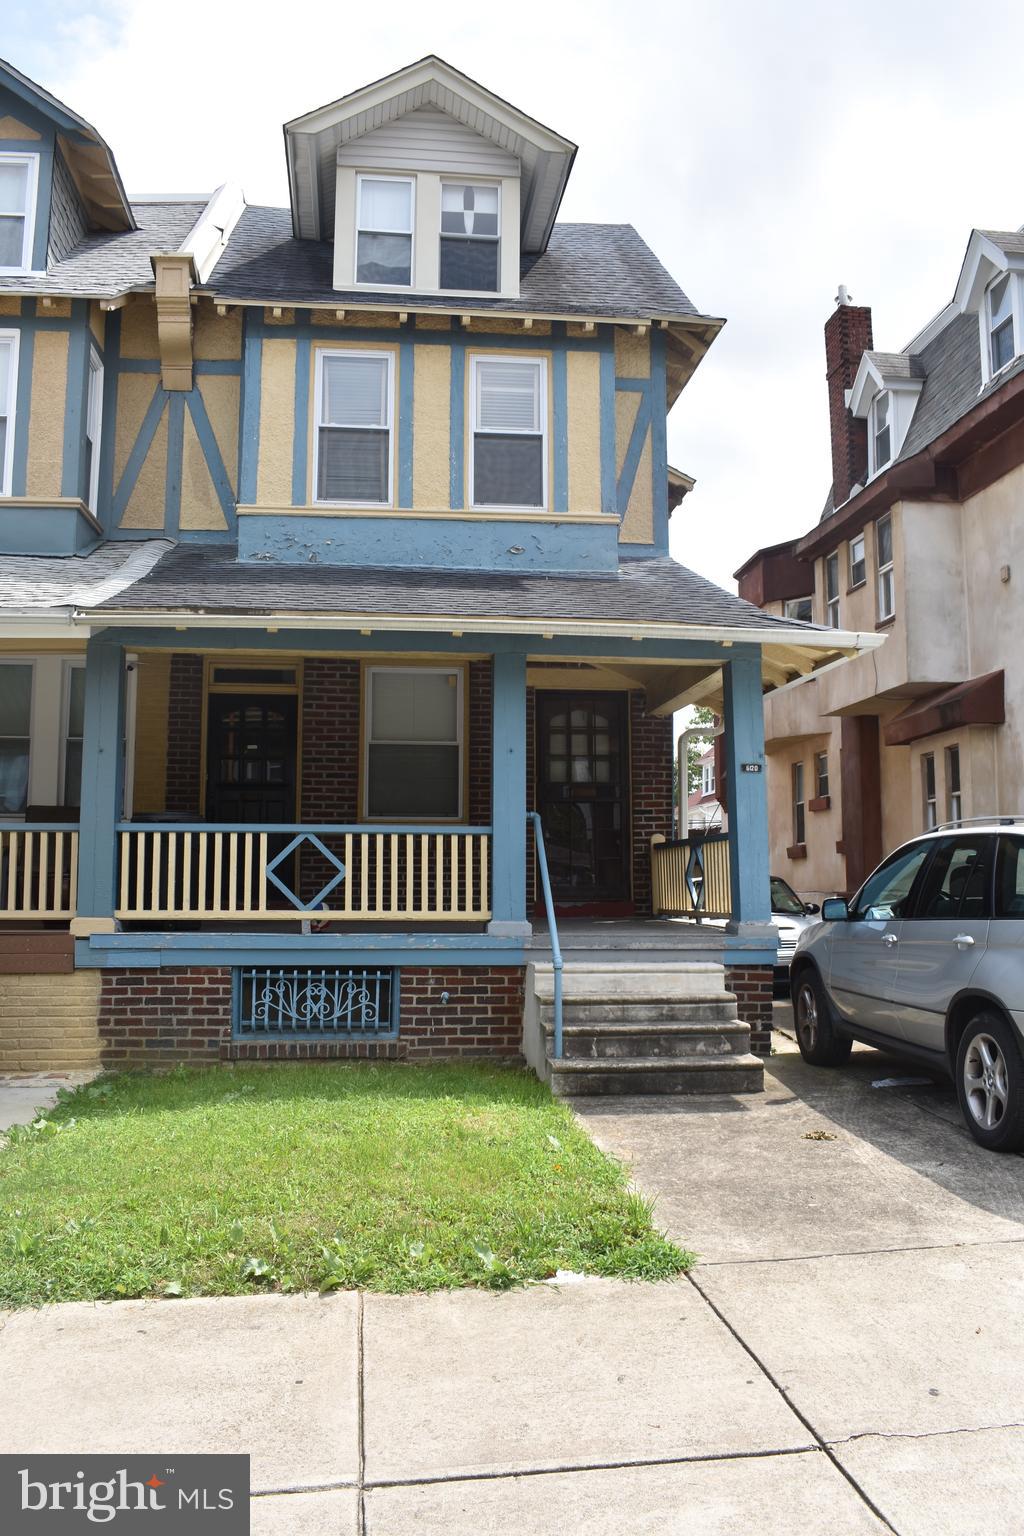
339 637
922 540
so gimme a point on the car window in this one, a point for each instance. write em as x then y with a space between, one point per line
885 894
785 899
1010 878
958 882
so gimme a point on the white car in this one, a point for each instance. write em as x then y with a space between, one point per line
791 918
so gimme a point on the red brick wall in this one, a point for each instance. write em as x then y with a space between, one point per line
150 1018
847 338
184 735
651 791
480 693
329 791
753 986
482 1017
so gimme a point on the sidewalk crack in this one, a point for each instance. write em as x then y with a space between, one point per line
360 1418
924 1434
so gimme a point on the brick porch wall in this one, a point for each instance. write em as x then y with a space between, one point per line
159 1018
650 738
480 696
329 791
753 986
184 735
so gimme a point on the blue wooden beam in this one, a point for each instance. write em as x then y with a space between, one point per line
508 796
749 868
102 780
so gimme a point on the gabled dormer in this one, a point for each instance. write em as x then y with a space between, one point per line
427 183
885 393
991 286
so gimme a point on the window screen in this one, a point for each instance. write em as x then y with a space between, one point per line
414 752
384 238
15 724
354 433
508 442
469 237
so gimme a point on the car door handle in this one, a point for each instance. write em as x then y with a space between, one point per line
965 939
890 938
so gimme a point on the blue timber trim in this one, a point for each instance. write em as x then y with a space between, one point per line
137 457
492 340
19 468
631 462
156 950
201 366
53 530
508 795
406 385
658 399
300 438
102 777
457 409
747 791
560 422
111 368
175 454
44 198
75 396
609 495
214 461
249 407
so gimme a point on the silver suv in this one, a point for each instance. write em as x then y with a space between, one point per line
928 960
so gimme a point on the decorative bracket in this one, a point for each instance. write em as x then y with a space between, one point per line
174 319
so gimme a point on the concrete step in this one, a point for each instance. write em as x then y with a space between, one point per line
625 1075
601 983
680 1041
719 1009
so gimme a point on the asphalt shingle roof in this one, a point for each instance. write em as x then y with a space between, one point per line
105 265
897 365
29 583
209 579
591 269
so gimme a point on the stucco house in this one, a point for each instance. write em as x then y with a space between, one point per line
922 540
336 592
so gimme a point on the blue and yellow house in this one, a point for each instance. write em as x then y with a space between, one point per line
339 636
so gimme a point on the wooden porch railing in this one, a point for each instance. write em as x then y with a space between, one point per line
38 872
170 872
690 877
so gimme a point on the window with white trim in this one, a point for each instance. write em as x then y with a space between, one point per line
707 779
72 727
384 226
93 427
469 237
413 767
881 430
19 175
15 735
999 315
821 775
508 465
9 341
858 561
954 794
886 578
928 790
799 608
354 410
799 806
832 590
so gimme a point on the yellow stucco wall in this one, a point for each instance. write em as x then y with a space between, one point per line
277 422
49 1023
216 336
138 328
221 394
431 428
632 355
583 379
638 516
151 697
10 304
46 422
146 506
200 507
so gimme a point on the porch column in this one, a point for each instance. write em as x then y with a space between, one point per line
102 797
508 797
749 870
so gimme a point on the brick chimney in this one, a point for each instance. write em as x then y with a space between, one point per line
847 336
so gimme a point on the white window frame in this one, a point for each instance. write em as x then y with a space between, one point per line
793 603
410 182
541 363
94 423
389 428
858 581
7 818
890 425
28 240
7 467
65 719
1013 293
819 759
832 618
460 741
929 802
467 181
798 796
887 570
954 811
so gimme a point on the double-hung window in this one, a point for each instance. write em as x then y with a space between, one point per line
883 555
353 441
469 236
509 459
93 425
8 393
954 794
928 799
18 177
73 727
858 563
15 734
799 806
881 431
821 775
384 226
832 590
999 306
414 743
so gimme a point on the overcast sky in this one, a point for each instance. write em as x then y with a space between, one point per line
766 153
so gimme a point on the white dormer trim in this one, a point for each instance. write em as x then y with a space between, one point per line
984 264
868 386
207 240
30 161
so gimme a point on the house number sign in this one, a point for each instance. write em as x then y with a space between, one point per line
750 767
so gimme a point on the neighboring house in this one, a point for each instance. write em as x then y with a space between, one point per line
704 810
921 540
335 541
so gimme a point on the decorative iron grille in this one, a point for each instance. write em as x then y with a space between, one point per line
315 1002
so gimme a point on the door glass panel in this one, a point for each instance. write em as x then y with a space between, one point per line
885 895
1010 878
579 741
958 881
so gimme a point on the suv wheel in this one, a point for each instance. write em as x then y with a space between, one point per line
816 1035
990 1083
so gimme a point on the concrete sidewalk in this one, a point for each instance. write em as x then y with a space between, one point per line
24 1094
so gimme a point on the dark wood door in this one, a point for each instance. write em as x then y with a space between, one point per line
582 795
251 757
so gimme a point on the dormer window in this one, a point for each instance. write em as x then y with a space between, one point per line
18 175
999 305
384 231
881 431
469 237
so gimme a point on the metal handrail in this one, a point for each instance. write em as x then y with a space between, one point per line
549 907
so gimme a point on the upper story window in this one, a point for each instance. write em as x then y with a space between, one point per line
93 427
708 779
799 805
858 563
384 226
469 236
8 392
799 608
354 408
18 177
881 431
999 312
508 466
886 582
832 590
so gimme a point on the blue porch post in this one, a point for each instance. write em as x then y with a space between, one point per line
508 797
747 793
102 786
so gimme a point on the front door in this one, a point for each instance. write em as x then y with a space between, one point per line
582 795
250 757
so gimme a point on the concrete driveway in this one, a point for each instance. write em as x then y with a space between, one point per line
847 1357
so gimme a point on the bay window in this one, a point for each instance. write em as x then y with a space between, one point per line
384 226
469 237
354 403
18 177
413 766
509 423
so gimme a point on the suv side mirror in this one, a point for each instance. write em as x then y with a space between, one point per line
811 907
834 910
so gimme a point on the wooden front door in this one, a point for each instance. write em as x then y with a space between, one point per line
582 795
251 757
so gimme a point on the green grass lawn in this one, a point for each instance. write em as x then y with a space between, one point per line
384 1177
